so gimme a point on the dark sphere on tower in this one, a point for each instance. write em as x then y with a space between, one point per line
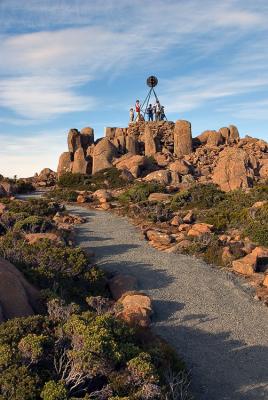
152 81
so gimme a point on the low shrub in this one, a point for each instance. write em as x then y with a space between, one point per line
107 178
67 195
208 248
33 224
24 187
205 196
180 200
62 270
140 192
74 181
85 356
39 207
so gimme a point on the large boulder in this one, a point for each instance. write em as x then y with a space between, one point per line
264 168
135 308
109 132
149 142
3 192
74 140
231 171
8 188
87 137
136 164
160 198
46 173
80 164
162 176
203 137
103 155
65 163
182 138
234 134
120 143
215 139
182 167
18 298
131 145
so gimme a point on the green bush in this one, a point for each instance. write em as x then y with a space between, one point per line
39 207
108 178
33 224
64 270
199 196
142 369
17 383
68 354
75 181
205 196
54 391
140 192
180 200
24 187
63 195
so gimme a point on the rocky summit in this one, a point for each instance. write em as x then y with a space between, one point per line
165 151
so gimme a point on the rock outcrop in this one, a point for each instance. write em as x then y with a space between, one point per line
103 155
79 157
182 138
233 170
166 152
65 163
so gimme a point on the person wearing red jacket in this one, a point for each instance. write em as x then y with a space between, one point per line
138 109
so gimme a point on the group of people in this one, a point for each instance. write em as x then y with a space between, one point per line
154 112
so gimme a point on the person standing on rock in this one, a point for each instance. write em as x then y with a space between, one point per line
157 110
131 115
162 114
138 110
154 112
149 112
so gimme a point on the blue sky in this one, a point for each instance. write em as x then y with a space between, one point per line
69 64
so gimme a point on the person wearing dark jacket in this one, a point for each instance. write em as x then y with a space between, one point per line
149 112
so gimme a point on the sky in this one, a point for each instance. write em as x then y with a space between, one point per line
75 63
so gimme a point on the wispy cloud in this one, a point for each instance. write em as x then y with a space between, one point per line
39 69
37 97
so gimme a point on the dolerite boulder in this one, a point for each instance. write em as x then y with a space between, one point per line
109 132
264 168
3 192
103 155
225 133
232 170
234 134
18 298
7 188
131 145
136 164
180 166
149 142
87 137
80 164
215 139
46 178
74 141
182 138
162 176
203 137
65 163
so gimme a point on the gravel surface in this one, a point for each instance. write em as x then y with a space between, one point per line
207 315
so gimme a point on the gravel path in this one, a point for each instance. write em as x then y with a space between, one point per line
219 330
